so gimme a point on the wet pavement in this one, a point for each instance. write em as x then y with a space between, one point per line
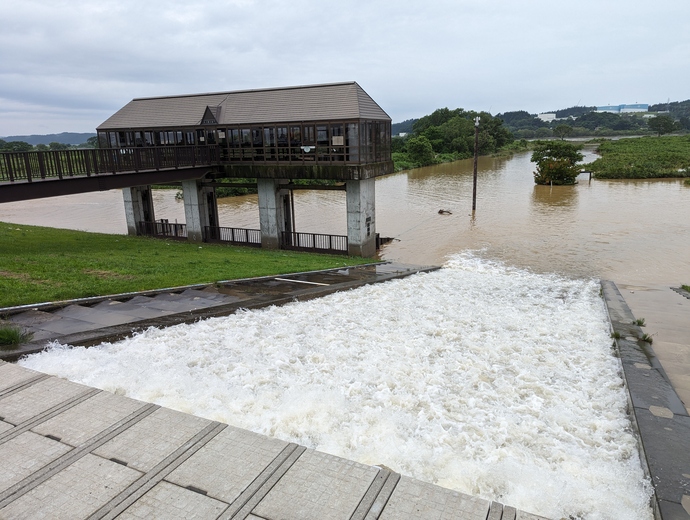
656 375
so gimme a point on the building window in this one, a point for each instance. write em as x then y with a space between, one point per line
308 136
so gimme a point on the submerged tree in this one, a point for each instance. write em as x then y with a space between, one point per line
420 150
556 162
563 131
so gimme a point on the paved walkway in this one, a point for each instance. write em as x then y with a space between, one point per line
73 452
656 378
667 317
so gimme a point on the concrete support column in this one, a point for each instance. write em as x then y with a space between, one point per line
200 208
138 207
361 217
274 211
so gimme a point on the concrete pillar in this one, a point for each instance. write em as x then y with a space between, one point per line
361 217
200 208
274 211
138 207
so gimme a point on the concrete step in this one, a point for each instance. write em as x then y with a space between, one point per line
138 311
31 318
98 316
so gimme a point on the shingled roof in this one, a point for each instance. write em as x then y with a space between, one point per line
335 101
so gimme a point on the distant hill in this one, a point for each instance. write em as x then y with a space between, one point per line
675 108
63 138
404 127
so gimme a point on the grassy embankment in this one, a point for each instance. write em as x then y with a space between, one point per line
643 158
40 264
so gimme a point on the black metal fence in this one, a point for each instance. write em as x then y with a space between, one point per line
237 236
332 244
310 242
59 164
162 229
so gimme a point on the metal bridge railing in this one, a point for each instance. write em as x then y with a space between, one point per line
333 244
237 236
162 229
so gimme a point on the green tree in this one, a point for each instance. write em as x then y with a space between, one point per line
92 142
563 131
556 162
662 125
420 151
58 146
17 146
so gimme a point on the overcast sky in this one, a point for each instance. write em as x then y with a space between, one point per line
68 65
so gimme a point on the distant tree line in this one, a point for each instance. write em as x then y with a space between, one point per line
448 135
23 146
405 127
524 125
676 109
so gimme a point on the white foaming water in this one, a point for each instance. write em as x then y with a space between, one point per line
489 380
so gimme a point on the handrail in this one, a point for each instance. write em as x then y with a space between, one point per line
239 236
162 228
58 164
336 244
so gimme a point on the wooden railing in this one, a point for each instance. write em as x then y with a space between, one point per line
59 164
237 236
332 244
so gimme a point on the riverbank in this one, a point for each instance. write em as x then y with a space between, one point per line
40 264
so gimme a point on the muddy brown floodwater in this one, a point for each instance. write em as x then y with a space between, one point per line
633 232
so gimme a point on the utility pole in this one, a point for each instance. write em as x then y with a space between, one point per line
476 150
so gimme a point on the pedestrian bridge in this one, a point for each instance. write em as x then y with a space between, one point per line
35 175
332 132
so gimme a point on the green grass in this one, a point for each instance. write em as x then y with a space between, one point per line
643 158
39 264
686 287
12 336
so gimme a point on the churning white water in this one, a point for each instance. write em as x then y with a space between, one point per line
482 378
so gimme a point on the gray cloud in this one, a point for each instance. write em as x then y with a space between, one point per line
67 65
